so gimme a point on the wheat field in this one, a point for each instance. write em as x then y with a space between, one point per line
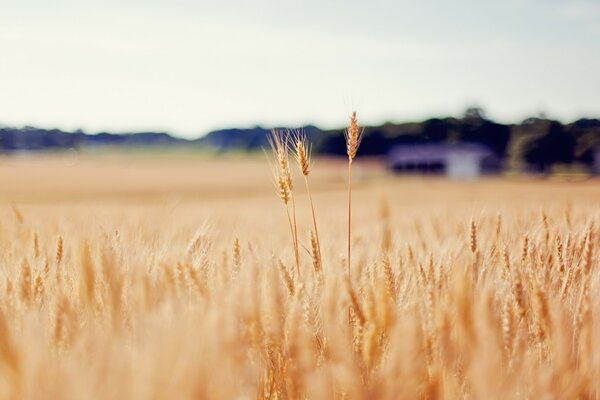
160 278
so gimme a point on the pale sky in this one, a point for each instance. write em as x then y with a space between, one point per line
188 67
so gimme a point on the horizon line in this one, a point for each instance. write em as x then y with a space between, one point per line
259 125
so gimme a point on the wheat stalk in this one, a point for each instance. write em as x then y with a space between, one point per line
285 187
353 136
302 152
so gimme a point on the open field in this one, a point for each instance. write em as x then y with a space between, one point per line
160 278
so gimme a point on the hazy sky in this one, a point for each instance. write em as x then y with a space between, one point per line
191 66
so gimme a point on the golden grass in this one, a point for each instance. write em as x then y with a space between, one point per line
158 282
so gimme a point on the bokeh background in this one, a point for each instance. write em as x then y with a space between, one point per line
516 81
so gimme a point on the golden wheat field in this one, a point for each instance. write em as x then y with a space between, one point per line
135 277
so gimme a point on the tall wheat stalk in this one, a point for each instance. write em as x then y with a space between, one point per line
302 155
284 185
353 135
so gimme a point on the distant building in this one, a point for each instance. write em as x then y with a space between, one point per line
459 161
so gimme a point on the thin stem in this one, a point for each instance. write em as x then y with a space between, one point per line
295 235
314 218
349 211
287 210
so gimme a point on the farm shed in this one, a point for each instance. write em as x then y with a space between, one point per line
460 161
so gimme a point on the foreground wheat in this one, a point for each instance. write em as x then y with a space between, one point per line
449 299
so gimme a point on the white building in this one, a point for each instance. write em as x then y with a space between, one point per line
457 161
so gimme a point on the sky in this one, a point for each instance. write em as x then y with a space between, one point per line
188 67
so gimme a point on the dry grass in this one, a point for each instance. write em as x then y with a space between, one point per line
185 285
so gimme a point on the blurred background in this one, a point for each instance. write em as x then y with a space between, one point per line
461 89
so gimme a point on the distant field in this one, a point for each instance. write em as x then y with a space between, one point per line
152 178
140 277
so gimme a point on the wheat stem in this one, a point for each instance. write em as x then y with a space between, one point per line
295 235
353 137
287 211
314 218
349 214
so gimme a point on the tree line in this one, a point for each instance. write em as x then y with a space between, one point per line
536 144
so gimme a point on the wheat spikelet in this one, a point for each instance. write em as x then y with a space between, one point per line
546 225
566 283
569 252
355 305
180 275
314 322
473 237
17 213
506 271
559 255
315 254
302 152
62 324
430 275
525 249
390 279
46 269
38 289
518 294
59 251
195 281
36 246
199 240
237 258
370 347
410 255
542 316
26 282
283 189
280 146
498 226
353 135
287 278
508 328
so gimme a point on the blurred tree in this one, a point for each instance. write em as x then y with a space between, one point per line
477 128
548 144
474 114
437 130
374 142
586 133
